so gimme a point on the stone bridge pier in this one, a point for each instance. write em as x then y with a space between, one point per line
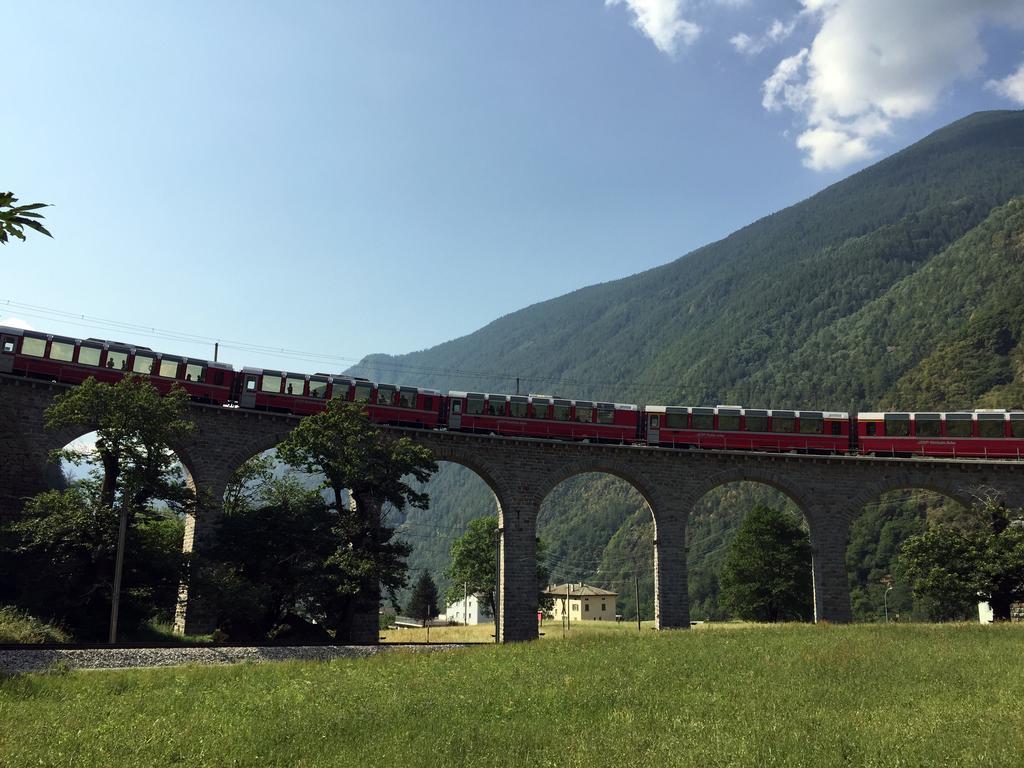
830 491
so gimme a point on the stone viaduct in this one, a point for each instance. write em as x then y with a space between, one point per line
830 491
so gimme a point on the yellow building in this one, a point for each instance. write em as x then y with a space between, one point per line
582 602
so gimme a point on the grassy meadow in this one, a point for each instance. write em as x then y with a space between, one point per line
864 695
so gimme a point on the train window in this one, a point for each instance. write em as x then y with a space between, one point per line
702 418
475 405
250 384
385 394
317 388
837 428
958 425
810 424
363 392
143 364
897 425
561 411
540 409
783 424
991 426
927 425
757 422
729 420
675 420
1017 425
169 369
517 409
8 344
61 350
407 398
584 414
871 429
271 384
456 406
33 347
89 355
194 372
295 386
605 415
495 405
117 360
339 389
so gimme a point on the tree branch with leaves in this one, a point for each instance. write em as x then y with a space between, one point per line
14 218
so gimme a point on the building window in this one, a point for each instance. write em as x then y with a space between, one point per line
604 607
586 608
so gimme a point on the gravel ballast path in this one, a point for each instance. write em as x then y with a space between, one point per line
23 660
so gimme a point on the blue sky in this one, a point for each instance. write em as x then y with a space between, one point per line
343 178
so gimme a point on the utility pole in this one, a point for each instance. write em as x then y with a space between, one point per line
216 349
115 601
636 594
567 606
497 583
517 385
465 603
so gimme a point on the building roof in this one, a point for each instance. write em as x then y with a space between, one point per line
577 590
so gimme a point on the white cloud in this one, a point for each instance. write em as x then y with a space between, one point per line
876 61
783 88
662 21
776 33
1010 87
14 322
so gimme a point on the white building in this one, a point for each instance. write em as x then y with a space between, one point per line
469 611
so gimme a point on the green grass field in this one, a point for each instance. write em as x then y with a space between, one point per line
871 695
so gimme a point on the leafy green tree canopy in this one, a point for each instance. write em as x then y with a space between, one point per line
767 573
473 568
135 428
344 446
14 218
953 568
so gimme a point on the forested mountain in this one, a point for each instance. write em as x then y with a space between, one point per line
901 286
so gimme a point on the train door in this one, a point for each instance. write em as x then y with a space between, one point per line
455 413
8 346
653 428
247 398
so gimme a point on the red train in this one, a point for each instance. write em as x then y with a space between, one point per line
988 434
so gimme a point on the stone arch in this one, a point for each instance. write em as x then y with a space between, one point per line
871 493
702 580
753 475
635 477
471 460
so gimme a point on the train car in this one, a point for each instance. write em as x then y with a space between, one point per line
402 406
973 434
732 427
542 416
72 361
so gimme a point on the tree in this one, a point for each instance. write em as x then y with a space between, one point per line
14 218
135 427
767 573
423 603
59 555
473 568
268 567
953 568
342 444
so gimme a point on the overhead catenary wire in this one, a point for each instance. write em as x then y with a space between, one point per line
314 357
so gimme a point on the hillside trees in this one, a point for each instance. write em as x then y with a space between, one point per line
767 573
121 523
